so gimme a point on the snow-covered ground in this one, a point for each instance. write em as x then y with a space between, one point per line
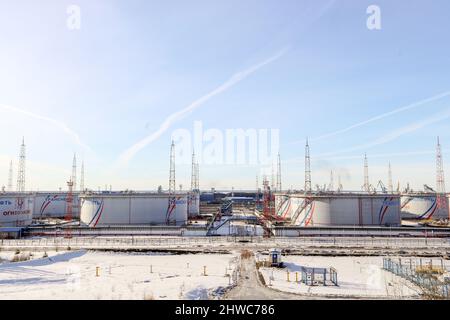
9 256
72 275
357 277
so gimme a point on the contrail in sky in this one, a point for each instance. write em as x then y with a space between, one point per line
57 123
378 117
437 117
129 153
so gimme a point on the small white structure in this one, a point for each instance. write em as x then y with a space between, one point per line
275 257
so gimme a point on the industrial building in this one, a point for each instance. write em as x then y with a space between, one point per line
121 208
339 209
423 206
54 205
16 209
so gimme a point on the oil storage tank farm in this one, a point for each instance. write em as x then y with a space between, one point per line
16 209
54 205
339 209
124 208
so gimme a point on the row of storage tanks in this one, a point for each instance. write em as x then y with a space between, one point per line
99 209
103 209
361 209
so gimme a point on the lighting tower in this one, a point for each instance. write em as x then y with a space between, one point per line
331 186
390 185
172 187
257 192
279 173
197 177
193 173
307 169
10 177
21 171
272 182
73 178
366 175
440 182
69 208
82 177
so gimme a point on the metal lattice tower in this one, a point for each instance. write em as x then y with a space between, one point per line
279 173
339 184
10 177
69 208
331 186
82 177
366 175
390 185
172 185
73 177
21 171
272 180
440 181
257 190
193 172
197 177
307 168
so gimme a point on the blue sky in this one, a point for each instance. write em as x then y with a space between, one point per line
133 64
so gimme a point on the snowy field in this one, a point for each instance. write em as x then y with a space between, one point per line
73 275
357 276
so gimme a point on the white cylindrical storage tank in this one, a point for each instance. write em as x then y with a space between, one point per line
339 209
193 204
16 209
54 205
423 206
132 209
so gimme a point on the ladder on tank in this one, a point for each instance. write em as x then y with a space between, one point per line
300 209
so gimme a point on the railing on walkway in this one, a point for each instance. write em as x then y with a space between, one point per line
256 241
411 270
